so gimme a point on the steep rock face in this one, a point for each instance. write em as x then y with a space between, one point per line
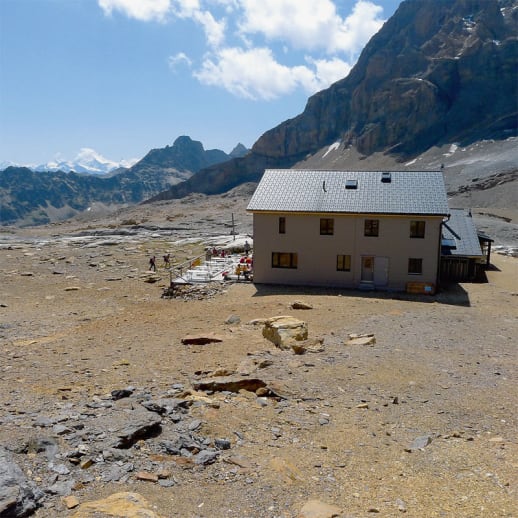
438 71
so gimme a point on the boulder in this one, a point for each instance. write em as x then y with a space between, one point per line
18 496
298 304
318 509
140 425
283 330
233 319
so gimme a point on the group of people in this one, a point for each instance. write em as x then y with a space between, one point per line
244 268
152 262
246 263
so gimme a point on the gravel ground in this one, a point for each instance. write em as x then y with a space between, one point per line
421 422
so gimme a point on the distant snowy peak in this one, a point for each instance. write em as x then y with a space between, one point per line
87 161
6 163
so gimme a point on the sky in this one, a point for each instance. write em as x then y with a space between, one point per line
126 76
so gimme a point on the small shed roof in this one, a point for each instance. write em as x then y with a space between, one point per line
355 192
459 235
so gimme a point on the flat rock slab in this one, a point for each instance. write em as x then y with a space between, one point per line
318 509
202 339
299 304
118 505
229 383
361 339
283 330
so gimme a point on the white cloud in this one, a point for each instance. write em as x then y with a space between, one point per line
187 7
144 10
310 25
252 74
178 59
191 9
256 74
214 30
358 28
300 22
328 71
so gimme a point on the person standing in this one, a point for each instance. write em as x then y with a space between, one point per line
152 263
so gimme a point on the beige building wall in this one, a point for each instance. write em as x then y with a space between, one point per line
317 254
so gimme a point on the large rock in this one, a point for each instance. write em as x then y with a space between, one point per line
140 425
318 509
284 330
118 505
361 339
18 496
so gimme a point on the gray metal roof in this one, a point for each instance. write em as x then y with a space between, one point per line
295 190
460 235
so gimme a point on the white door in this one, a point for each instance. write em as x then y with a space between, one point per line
381 267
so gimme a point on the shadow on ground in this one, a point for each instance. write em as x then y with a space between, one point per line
451 293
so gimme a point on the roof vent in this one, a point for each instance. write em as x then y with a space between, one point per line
386 177
351 184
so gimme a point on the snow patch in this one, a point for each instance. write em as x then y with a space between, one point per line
332 147
452 150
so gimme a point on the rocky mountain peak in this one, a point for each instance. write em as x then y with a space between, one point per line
239 151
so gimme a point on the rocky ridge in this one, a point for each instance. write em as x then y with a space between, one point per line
35 198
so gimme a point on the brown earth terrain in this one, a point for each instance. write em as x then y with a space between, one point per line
421 423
